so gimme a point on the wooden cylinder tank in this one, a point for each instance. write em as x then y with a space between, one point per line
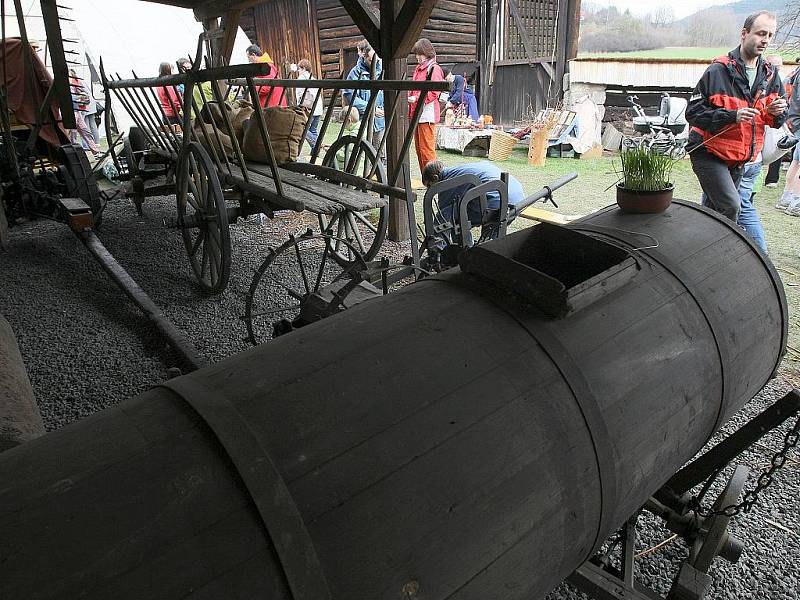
452 440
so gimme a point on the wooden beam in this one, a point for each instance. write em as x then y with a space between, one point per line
230 26
574 28
409 24
487 67
61 84
523 33
364 16
562 46
211 9
393 69
214 37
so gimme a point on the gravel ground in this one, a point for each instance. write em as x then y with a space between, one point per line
87 348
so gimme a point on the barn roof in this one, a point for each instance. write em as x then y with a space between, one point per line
208 9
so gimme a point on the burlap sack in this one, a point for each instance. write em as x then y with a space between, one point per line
285 127
238 112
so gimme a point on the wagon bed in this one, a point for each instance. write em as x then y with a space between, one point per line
347 187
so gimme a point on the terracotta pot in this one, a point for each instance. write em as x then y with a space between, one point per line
640 202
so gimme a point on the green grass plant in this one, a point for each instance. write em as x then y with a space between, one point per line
645 170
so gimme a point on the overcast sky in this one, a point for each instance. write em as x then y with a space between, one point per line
681 8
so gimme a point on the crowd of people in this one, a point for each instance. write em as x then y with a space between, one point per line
739 98
355 101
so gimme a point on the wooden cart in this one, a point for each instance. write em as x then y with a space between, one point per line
346 187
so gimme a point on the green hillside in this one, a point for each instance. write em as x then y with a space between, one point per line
742 8
673 52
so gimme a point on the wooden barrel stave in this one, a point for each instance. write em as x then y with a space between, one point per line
435 442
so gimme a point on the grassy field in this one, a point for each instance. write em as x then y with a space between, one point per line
594 189
670 52
677 52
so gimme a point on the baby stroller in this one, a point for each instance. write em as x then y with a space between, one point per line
666 133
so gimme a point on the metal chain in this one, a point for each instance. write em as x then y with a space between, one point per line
750 497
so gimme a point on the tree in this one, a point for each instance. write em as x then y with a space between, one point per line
787 37
663 16
714 27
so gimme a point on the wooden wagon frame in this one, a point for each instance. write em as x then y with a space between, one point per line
340 187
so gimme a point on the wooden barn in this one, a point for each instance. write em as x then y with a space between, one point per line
515 51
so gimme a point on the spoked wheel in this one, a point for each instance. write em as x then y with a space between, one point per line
129 172
203 219
79 179
388 277
129 163
366 230
298 283
716 527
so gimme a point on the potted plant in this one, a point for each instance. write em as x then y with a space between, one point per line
645 185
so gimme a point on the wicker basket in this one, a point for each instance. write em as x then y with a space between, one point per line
501 145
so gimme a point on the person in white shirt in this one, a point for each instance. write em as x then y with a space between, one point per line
306 98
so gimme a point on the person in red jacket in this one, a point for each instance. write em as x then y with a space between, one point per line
268 95
425 134
735 98
169 97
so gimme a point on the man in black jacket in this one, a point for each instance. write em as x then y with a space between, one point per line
735 98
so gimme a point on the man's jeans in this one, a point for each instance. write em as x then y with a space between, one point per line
719 183
313 133
748 217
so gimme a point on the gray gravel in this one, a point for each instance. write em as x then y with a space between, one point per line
87 348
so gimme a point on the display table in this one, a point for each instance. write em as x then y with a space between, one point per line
467 141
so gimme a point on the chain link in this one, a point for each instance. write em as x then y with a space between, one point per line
750 497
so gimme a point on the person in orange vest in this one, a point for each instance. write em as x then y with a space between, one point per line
268 95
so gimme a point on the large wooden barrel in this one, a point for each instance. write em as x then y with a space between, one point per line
446 441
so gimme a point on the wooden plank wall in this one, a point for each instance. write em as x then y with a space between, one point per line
518 90
539 17
452 28
286 29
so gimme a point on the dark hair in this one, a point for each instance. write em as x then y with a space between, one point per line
305 64
184 64
432 173
748 22
164 68
254 49
363 46
424 46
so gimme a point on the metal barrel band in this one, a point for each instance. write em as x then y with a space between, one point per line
567 366
267 489
713 323
769 267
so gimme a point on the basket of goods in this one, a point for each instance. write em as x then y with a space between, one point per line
501 145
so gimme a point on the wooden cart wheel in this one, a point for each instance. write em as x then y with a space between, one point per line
203 219
366 230
130 172
291 287
707 547
79 179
